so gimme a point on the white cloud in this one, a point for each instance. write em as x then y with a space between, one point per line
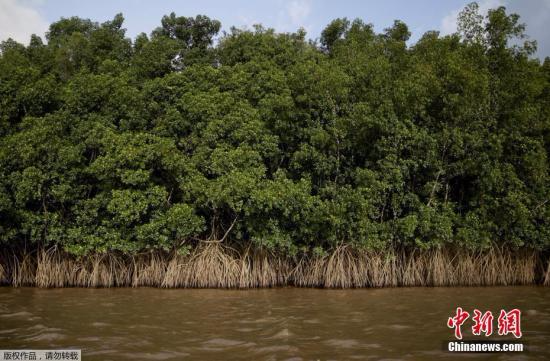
534 13
248 23
449 23
298 11
293 14
18 20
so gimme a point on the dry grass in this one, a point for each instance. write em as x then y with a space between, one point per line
215 265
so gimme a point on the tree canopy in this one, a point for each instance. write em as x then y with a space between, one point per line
113 144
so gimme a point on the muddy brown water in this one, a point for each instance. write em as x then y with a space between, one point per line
263 324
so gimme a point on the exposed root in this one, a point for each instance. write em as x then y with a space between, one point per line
23 273
210 265
546 281
215 265
3 278
149 270
260 268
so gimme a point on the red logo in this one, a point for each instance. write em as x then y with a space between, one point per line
508 322
483 323
457 321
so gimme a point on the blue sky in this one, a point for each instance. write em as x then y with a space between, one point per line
20 18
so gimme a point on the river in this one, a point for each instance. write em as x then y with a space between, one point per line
264 324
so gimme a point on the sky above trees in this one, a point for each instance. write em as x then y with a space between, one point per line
21 18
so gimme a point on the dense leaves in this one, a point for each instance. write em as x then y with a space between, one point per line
108 144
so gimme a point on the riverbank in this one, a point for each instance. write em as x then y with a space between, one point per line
214 265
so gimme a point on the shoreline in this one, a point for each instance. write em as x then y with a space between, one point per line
213 265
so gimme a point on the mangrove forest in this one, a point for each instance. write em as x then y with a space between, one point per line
196 157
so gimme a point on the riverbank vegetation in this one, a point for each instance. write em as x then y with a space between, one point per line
194 158
215 265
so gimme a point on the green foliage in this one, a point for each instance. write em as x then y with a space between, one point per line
109 144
